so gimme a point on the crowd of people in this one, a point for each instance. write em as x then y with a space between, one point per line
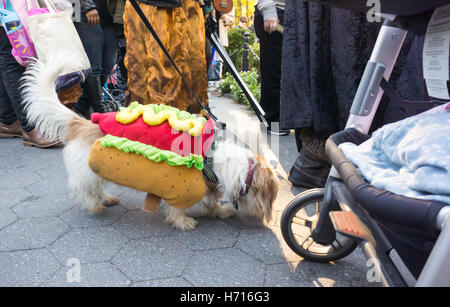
309 70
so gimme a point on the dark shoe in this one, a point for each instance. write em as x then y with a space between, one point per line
309 171
11 131
36 139
97 99
92 97
282 132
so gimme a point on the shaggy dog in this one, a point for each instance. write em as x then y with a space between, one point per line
231 162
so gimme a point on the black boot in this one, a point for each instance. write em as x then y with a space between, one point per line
309 171
97 100
82 106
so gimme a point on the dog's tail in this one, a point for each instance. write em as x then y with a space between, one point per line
42 106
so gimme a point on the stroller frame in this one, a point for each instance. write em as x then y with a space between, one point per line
375 245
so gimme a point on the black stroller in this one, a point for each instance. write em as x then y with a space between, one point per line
406 240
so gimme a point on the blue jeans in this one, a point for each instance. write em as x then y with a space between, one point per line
11 108
101 46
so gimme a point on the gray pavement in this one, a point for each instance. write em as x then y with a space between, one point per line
46 238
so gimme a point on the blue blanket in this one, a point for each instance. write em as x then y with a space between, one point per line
410 157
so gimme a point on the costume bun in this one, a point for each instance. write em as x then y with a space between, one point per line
156 149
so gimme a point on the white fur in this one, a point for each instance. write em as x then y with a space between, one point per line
232 167
45 111
83 182
42 105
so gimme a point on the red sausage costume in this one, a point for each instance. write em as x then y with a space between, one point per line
154 148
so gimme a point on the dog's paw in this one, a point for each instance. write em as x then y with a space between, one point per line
224 212
111 201
185 223
98 209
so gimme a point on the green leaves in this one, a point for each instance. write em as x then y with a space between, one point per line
229 86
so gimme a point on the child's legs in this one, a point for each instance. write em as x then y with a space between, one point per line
11 72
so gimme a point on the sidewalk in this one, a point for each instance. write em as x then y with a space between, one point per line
44 232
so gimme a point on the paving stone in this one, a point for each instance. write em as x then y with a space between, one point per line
11 197
243 221
79 217
31 233
91 275
165 282
266 245
136 224
132 199
53 170
10 147
286 275
6 217
48 187
26 268
115 189
89 245
210 233
21 163
18 179
43 206
224 268
286 193
306 273
152 258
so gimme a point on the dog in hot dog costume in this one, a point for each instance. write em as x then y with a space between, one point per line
153 148
156 149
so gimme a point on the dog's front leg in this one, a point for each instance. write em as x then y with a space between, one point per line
109 200
179 219
213 208
223 212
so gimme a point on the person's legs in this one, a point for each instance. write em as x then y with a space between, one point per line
311 168
92 39
9 124
7 113
11 98
11 74
122 74
270 66
110 50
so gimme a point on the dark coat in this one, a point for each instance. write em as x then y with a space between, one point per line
325 52
87 5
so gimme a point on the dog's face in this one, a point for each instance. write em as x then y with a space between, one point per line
231 163
262 192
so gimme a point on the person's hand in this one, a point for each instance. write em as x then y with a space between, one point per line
93 17
270 25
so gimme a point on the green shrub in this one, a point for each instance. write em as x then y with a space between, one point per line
235 48
229 86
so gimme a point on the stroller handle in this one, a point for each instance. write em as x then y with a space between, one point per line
443 217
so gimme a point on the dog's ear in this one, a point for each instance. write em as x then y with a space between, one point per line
265 186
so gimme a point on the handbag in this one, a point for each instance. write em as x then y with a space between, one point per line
13 18
53 33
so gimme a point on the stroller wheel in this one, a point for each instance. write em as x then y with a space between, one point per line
298 221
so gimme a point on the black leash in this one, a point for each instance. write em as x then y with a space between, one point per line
160 43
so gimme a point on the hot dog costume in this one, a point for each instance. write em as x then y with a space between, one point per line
154 148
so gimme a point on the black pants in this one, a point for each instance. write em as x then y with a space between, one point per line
270 66
11 108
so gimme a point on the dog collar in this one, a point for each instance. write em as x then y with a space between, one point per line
248 181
